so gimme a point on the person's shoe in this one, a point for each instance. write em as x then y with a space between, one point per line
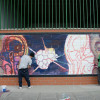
20 87
29 87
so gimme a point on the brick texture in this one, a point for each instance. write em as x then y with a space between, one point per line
82 80
51 80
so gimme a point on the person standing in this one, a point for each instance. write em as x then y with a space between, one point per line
99 69
24 64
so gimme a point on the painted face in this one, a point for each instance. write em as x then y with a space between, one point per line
13 47
95 45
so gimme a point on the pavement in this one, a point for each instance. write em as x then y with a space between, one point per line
52 92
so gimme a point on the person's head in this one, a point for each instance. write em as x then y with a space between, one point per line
32 54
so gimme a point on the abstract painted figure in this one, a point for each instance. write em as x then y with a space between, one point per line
79 54
45 57
13 47
95 47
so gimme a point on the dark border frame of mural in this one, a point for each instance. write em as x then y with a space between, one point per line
30 33
85 75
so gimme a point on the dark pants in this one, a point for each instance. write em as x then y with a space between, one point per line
98 75
23 73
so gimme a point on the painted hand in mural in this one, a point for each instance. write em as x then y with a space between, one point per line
79 54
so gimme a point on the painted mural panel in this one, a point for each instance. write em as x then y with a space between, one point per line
55 54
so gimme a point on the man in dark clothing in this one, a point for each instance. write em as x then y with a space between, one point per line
24 64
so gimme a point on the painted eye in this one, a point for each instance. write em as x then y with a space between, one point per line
15 46
18 48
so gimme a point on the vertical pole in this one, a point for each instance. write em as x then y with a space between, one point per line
59 13
45 13
21 14
63 11
90 16
24 13
80 13
76 14
35 13
28 14
4 16
17 14
56 11
94 13
38 13
83 15
87 12
66 14
7 12
49 13
11 16
0 12
70 12
31 14
73 13
42 13
52 13
14 13
97 11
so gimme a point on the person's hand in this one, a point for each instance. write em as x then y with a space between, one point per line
29 66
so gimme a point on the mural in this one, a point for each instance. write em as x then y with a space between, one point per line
79 54
55 54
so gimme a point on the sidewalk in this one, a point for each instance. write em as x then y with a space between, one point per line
53 92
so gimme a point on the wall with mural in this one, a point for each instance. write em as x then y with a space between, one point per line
55 54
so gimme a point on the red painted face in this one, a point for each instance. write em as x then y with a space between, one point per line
15 46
